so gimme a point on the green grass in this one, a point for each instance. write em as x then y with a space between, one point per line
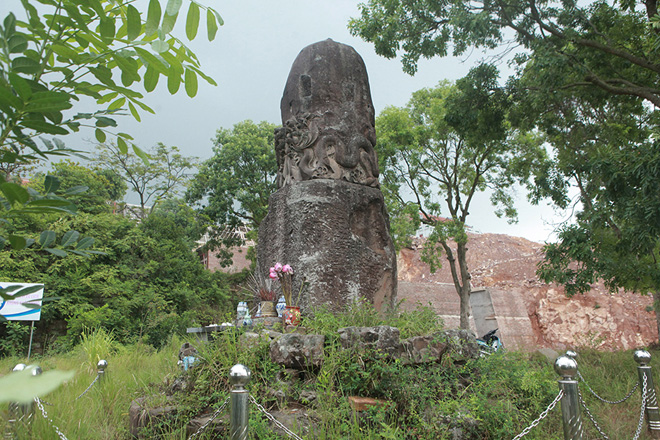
503 392
102 413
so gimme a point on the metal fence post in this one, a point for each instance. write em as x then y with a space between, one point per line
100 369
239 376
19 410
643 357
566 367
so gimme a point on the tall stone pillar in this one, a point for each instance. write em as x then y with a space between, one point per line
328 218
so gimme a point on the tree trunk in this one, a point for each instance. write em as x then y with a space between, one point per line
461 278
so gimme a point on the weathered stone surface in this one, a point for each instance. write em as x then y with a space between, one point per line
298 351
251 339
423 349
141 416
382 338
328 219
415 350
328 118
300 421
217 428
308 396
335 234
462 344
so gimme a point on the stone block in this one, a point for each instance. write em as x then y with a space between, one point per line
382 338
298 351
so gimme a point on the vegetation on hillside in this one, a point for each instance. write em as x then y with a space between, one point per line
489 398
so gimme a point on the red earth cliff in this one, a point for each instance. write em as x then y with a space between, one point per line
530 313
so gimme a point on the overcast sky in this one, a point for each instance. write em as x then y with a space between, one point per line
250 60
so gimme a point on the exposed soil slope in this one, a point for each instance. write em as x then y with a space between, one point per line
506 266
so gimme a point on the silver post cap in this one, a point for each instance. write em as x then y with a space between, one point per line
102 365
566 367
572 354
239 375
19 367
642 357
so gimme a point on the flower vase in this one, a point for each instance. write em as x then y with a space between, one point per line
281 305
291 316
268 309
247 319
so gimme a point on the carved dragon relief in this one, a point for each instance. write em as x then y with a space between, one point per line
306 150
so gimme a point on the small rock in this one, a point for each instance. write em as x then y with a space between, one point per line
219 426
382 338
423 349
298 351
307 396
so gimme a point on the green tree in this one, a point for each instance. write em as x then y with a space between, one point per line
605 151
75 51
193 223
146 285
613 47
97 49
232 187
103 187
586 77
449 143
162 177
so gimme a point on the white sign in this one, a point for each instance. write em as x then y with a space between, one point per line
16 309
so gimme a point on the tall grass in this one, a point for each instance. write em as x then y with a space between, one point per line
101 413
503 392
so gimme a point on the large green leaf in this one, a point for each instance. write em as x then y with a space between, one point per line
56 252
20 291
150 60
74 190
134 112
150 79
14 193
160 46
173 7
134 23
17 242
191 83
211 25
192 21
168 23
45 127
47 238
121 144
173 81
153 17
141 154
107 28
48 203
21 86
70 238
104 121
17 44
22 387
51 184
85 243
100 135
25 65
